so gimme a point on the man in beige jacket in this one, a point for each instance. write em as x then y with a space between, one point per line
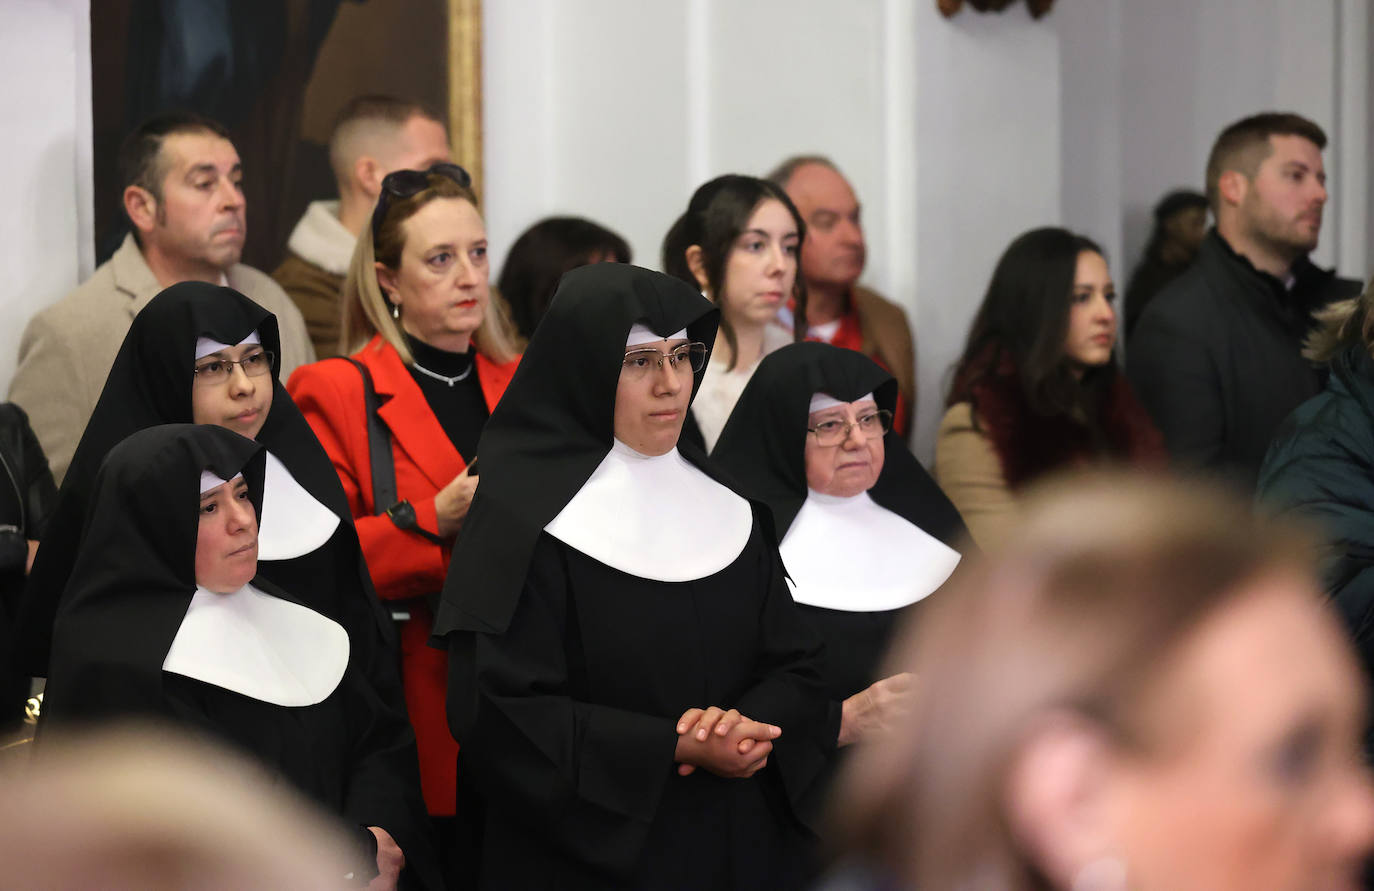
838 310
183 199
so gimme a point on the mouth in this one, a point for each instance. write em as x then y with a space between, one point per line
466 304
1104 339
671 415
247 417
245 550
772 296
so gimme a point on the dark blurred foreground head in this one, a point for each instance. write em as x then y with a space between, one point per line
1143 689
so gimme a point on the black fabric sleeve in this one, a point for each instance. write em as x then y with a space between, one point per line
383 789
586 779
40 492
790 692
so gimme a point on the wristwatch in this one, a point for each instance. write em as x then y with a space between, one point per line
402 513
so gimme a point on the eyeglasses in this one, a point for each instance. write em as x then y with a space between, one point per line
217 371
832 433
404 183
640 364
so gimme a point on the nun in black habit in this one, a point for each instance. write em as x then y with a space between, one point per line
307 543
607 590
862 528
164 620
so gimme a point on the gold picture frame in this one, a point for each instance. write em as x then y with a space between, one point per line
465 86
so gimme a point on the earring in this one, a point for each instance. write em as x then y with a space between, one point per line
396 311
705 293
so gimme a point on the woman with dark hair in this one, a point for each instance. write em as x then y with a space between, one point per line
431 353
1037 387
739 243
166 618
635 694
1180 225
540 256
862 528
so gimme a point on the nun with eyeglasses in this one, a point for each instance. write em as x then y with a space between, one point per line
633 691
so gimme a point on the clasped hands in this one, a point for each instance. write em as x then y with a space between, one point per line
725 743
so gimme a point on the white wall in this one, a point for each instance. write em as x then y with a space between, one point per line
987 107
46 216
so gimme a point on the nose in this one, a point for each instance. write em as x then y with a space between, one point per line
231 194
855 438
667 379
239 515
240 384
1104 309
468 274
851 233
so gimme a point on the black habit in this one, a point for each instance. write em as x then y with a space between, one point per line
567 675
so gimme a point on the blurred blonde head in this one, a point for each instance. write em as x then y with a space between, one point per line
1059 714
366 310
1341 325
154 810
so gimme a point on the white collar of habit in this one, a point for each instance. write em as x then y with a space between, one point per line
259 646
656 517
852 554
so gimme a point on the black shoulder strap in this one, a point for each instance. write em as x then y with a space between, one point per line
378 446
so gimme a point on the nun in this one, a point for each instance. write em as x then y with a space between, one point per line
633 690
864 531
200 353
163 619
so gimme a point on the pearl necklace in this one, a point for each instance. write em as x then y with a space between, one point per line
439 377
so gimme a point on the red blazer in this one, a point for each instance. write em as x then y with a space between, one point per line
403 565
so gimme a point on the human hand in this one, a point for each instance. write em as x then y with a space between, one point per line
724 742
877 709
390 861
451 503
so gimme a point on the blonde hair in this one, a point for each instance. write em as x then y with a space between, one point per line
1079 611
1341 325
366 310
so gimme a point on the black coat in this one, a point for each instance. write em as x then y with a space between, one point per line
1216 358
1321 466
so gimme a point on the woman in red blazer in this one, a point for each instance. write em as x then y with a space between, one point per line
440 355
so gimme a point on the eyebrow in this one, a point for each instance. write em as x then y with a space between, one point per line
198 169
791 233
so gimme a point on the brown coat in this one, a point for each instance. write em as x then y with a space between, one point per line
67 349
316 293
887 335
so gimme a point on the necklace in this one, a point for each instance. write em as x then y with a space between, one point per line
439 377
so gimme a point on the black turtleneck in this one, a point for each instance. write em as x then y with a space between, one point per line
461 409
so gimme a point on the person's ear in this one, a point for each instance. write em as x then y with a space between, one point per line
1232 186
141 207
368 175
386 277
1057 795
696 262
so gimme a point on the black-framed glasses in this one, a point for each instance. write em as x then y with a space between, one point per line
217 371
832 433
685 357
404 183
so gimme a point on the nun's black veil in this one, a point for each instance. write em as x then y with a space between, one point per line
554 426
129 591
132 584
764 441
150 384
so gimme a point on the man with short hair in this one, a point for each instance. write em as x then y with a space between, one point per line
1217 356
838 310
373 135
184 202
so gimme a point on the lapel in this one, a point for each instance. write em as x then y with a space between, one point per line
132 276
406 414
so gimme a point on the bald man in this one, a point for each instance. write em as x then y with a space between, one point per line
373 136
839 310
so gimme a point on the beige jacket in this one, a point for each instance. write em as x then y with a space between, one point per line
969 472
887 335
67 349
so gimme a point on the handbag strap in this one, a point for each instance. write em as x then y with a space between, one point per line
378 446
